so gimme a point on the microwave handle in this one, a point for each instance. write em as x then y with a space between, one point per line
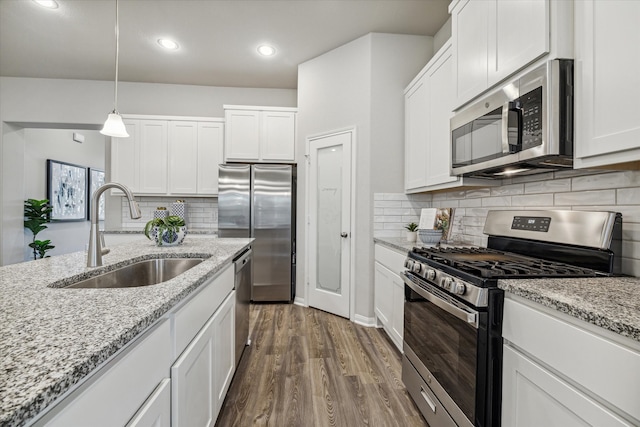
511 107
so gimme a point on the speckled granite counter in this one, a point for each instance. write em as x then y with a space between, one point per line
140 231
52 338
612 303
396 243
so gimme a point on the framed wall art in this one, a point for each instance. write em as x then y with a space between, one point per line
67 191
96 180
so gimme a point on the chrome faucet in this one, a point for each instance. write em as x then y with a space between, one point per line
96 240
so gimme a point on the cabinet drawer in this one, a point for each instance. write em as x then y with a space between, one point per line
189 319
604 367
114 394
391 259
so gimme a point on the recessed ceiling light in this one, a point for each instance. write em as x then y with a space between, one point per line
266 50
168 44
49 4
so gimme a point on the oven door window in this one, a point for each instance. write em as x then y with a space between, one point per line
446 345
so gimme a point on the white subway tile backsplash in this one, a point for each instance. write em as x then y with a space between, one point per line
202 212
508 190
586 198
573 189
533 200
628 196
554 186
606 180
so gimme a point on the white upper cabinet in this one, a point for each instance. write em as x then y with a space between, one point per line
493 39
210 155
168 156
607 83
260 134
428 109
125 155
183 155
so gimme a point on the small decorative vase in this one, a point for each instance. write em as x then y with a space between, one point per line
167 238
411 236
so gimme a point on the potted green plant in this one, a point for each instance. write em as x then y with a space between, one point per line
36 215
168 231
412 231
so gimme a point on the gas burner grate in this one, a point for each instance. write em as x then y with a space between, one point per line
494 264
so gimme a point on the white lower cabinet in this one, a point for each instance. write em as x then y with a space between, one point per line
202 374
559 371
156 411
113 395
533 397
193 344
389 292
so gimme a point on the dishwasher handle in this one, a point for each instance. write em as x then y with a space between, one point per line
243 259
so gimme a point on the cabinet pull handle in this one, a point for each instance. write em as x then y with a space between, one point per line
427 399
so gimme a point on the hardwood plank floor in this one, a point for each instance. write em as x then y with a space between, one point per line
306 367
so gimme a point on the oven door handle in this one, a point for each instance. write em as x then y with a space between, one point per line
469 316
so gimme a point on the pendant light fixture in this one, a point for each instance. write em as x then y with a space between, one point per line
114 126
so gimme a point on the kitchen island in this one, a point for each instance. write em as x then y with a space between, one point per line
53 338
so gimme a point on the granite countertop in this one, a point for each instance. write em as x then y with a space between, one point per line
397 243
126 230
612 303
52 338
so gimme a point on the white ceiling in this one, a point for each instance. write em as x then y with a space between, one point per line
218 38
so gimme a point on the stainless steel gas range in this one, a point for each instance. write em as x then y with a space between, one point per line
452 363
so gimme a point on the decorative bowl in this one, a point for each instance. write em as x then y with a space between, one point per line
168 238
430 237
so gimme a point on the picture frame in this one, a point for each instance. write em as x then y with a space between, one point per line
96 180
67 191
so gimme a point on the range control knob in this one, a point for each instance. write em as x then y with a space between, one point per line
458 288
416 268
408 264
446 283
430 274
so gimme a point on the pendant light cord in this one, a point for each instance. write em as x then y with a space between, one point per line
115 86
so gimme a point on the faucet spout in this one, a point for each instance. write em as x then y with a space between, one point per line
96 244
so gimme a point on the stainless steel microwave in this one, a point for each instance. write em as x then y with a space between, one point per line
525 127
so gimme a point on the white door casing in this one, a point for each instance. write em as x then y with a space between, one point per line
329 207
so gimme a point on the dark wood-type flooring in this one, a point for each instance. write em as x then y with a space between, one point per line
306 367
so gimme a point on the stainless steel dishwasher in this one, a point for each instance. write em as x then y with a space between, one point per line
243 282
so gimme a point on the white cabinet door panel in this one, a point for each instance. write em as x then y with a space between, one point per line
224 323
607 82
153 157
534 397
277 135
242 135
210 155
521 35
383 294
417 122
125 155
183 157
156 412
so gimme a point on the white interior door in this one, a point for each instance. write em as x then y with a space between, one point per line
329 225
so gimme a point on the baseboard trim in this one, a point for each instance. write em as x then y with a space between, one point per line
369 322
300 301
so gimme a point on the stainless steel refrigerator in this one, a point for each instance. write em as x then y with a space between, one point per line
259 201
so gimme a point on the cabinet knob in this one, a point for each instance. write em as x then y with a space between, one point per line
344 235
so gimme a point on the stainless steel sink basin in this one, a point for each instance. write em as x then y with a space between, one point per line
143 273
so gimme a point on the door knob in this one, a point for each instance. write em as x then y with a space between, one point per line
344 235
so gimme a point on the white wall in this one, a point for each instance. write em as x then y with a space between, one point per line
359 85
84 104
58 144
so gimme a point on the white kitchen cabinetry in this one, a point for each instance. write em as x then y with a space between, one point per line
389 292
260 134
428 109
168 155
113 395
202 374
493 39
607 83
559 371
156 411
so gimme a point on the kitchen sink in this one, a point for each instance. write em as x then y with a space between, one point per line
143 273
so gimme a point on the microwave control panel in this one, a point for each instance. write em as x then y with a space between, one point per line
531 104
531 223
